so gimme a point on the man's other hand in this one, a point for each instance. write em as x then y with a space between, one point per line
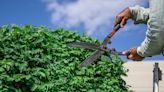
133 55
123 16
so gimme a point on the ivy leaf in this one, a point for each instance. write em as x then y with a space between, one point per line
1 70
105 58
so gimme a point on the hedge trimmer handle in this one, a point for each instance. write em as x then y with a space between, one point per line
117 27
113 51
111 34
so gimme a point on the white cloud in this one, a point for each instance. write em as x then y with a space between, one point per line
95 15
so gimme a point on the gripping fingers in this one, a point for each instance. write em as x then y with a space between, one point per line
118 19
131 57
123 22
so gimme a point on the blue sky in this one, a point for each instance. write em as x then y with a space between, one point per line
92 17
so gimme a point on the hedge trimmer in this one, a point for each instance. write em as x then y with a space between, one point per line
100 48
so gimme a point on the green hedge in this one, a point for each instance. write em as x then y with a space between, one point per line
35 59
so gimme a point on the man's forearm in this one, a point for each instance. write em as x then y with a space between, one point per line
149 48
139 14
154 41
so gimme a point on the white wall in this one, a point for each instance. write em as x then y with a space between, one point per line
140 76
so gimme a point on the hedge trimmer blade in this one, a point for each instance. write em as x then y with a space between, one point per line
100 49
92 58
84 45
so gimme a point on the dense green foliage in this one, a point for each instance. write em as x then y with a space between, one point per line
37 59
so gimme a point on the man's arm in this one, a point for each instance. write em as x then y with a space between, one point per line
154 41
139 14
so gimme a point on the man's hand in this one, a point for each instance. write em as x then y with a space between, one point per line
133 55
122 17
